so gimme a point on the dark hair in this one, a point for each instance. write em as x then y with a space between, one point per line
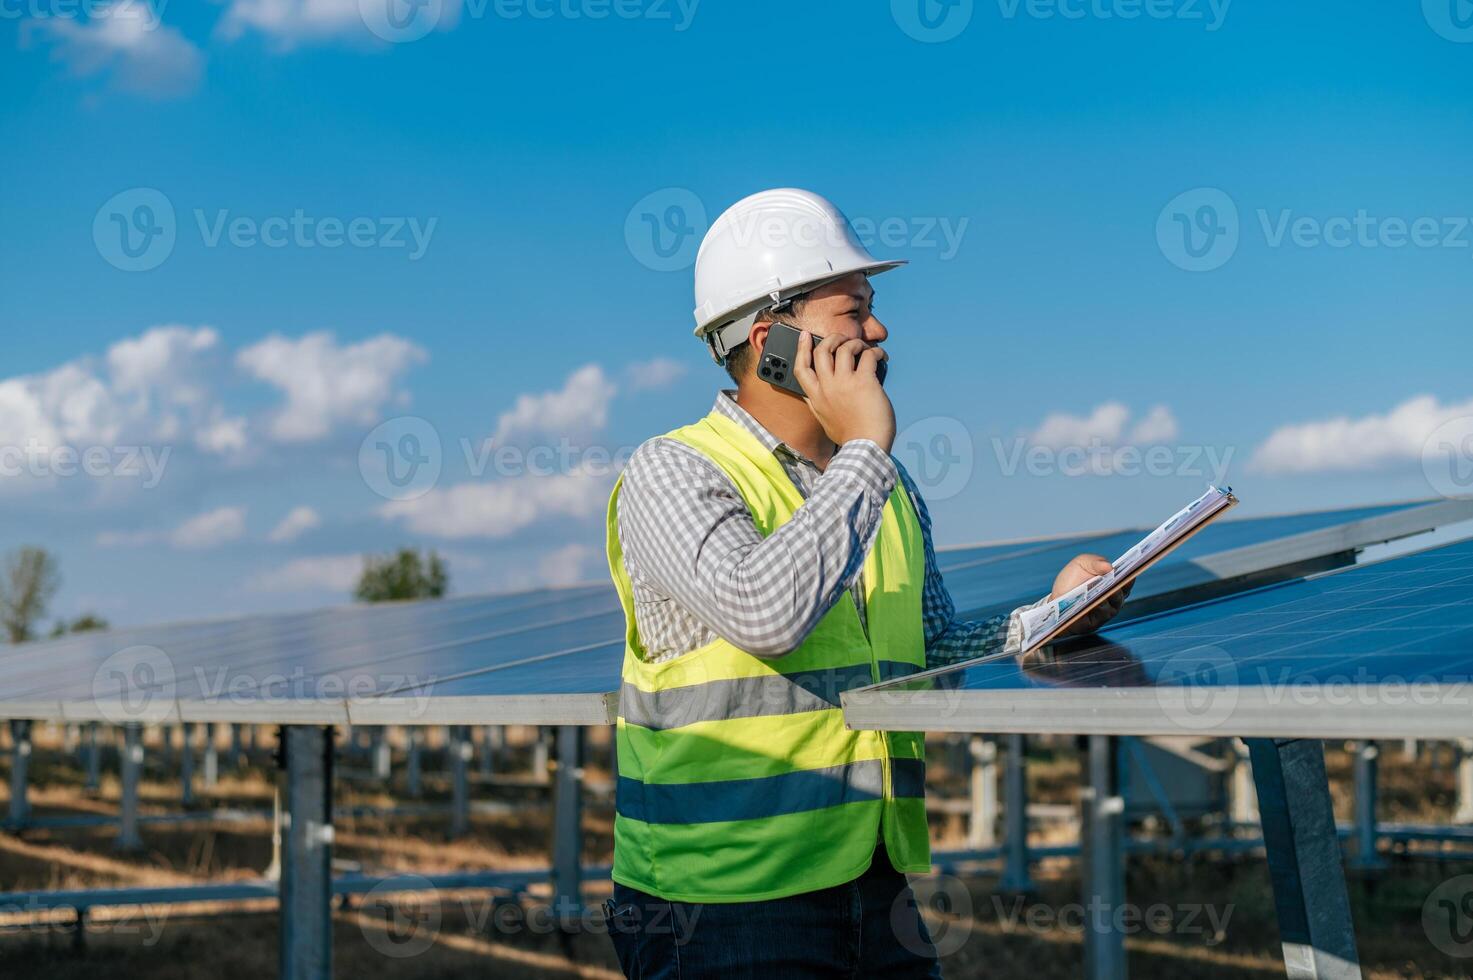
738 359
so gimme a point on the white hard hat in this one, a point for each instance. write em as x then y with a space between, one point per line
766 249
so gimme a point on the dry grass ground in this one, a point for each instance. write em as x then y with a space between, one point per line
1214 917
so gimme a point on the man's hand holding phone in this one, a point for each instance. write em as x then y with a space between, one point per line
844 391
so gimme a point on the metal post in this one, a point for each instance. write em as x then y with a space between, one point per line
1464 813
567 843
381 758
1015 877
1366 778
412 783
1315 927
460 752
166 747
306 869
237 749
186 763
211 772
1242 798
131 765
488 748
94 759
982 828
20 766
1102 860
539 756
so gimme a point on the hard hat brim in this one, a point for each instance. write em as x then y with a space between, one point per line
789 291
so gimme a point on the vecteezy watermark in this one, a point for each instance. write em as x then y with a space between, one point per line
43 461
401 21
1198 688
950 920
1447 916
401 458
136 230
1199 230
1206 921
402 916
1447 457
1451 19
663 231
932 21
146 13
1211 13
1101 458
29 917
136 684
938 454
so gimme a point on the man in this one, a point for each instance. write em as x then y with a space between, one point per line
769 557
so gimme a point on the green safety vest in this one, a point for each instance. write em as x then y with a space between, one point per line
738 781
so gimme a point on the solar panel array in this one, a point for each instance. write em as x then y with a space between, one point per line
1382 649
548 656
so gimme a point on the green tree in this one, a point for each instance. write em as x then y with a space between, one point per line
28 582
85 623
405 574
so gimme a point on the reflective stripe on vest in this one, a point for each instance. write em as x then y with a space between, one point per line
737 780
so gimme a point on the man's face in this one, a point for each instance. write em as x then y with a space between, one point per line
843 310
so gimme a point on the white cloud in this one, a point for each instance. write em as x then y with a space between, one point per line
659 372
323 573
210 529
565 565
1106 425
126 44
326 384
288 23
580 407
1343 443
499 510
295 524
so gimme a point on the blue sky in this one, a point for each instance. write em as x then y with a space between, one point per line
1039 164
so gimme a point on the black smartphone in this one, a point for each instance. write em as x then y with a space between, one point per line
779 353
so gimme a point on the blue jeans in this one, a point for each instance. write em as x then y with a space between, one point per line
869 927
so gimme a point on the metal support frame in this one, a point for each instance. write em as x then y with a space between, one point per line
459 748
1242 798
1464 813
1102 839
982 826
1367 777
20 766
1303 849
306 867
211 761
130 768
381 756
539 755
186 764
1015 875
413 784
93 759
166 747
567 843
487 758
237 748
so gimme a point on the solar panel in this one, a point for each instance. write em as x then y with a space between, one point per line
1377 651
552 654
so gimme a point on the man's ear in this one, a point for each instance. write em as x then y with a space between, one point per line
758 335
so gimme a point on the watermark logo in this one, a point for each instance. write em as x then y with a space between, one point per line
400 21
1447 916
401 458
1451 19
405 916
1197 688
950 905
663 230
136 684
932 21
1198 229
938 454
1447 457
135 229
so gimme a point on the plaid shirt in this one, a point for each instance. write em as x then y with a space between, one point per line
700 569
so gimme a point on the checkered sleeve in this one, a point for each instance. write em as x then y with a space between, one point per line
949 640
689 538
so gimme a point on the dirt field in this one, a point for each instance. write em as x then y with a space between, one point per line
1203 917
